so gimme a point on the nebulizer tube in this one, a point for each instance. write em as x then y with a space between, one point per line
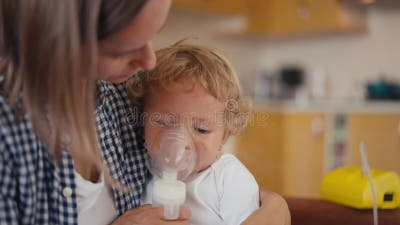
172 163
366 171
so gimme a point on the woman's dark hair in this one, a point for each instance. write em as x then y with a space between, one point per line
42 46
115 15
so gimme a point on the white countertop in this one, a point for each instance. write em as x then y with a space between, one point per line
329 106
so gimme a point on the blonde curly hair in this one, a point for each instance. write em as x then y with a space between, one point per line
204 65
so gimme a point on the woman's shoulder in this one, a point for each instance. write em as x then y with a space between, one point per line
9 113
16 130
112 91
11 134
10 108
114 98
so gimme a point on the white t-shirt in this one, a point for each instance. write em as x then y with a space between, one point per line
226 193
95 202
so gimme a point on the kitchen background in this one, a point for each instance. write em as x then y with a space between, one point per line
323 74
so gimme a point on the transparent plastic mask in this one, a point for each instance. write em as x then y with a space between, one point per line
175 156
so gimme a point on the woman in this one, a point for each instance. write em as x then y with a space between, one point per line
61 61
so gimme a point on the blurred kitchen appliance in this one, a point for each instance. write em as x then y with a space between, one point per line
291 81
383 89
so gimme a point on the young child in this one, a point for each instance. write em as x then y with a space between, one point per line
196 85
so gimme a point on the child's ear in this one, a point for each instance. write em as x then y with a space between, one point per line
226 136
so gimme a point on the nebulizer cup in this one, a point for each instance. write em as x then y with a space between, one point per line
171 164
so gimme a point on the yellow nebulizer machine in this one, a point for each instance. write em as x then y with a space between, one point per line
362 187
348 186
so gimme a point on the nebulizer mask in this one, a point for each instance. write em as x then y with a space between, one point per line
171 164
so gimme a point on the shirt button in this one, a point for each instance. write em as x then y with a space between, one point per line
67 192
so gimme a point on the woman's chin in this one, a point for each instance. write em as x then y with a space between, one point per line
119 79
122 78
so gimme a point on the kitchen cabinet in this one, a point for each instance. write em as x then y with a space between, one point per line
284 151
285 17
228 7
381 135
289 151
291 17
259 147
303 154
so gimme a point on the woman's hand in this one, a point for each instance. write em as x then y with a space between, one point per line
273 211
147 215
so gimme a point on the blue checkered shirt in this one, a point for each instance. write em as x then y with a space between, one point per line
35 190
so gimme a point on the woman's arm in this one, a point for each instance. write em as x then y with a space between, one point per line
273 211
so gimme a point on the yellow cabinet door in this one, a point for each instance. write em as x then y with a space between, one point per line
303 147
381 135
284 152
284 17
259 148
215 6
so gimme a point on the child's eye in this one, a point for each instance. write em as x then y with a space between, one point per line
164 124
202 130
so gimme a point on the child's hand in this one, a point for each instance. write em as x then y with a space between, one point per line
147 215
